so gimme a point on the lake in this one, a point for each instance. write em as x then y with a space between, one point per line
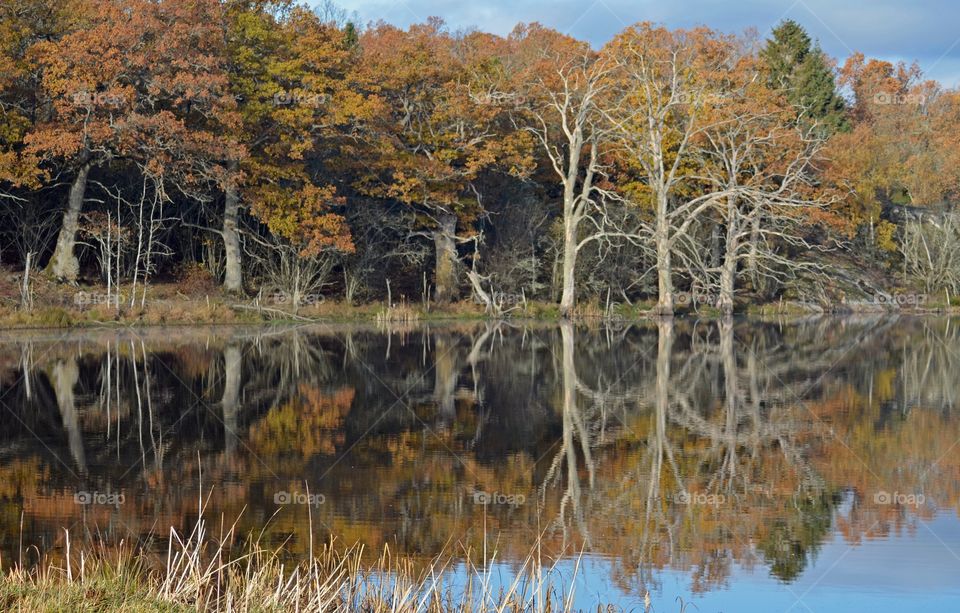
804 465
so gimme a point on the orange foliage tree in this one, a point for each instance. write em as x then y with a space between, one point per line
436 129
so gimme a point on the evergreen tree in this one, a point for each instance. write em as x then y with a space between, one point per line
785 51
801 70
350 35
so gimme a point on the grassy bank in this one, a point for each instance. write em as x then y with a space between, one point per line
231 310
55 305
198 574
62 306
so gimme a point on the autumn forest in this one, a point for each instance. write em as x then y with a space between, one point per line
267 148
306 311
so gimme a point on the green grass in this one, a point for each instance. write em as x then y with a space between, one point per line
94 594
99 583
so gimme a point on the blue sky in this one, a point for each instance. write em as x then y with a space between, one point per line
921 30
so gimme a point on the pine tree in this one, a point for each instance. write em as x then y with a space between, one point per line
801 70
350 35
816 92
785 51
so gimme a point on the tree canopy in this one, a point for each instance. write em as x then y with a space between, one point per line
269 143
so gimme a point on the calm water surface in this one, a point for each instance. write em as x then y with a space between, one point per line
745 466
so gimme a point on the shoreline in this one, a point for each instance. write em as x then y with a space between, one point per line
191 313
58 307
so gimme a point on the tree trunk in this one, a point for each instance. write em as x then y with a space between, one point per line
445 270
752 268
568 298
445 374
664 275
662 385
65 377
233 275
664 264
728 275
64 265
728 270
233 371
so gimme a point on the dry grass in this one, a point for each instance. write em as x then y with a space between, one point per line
398 314
195 298
199 574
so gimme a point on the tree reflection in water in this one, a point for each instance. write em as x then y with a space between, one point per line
690 445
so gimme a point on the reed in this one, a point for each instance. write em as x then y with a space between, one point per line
200 574
398 314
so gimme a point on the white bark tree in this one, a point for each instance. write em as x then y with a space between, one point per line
665 89
762 157
561 106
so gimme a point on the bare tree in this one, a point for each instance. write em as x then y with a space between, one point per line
762 158
931 253
295 279
561 108
660 111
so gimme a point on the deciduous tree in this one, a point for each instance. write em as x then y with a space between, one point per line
436 130
668 86
560 86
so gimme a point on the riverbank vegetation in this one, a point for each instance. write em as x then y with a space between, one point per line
287 156
203 574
